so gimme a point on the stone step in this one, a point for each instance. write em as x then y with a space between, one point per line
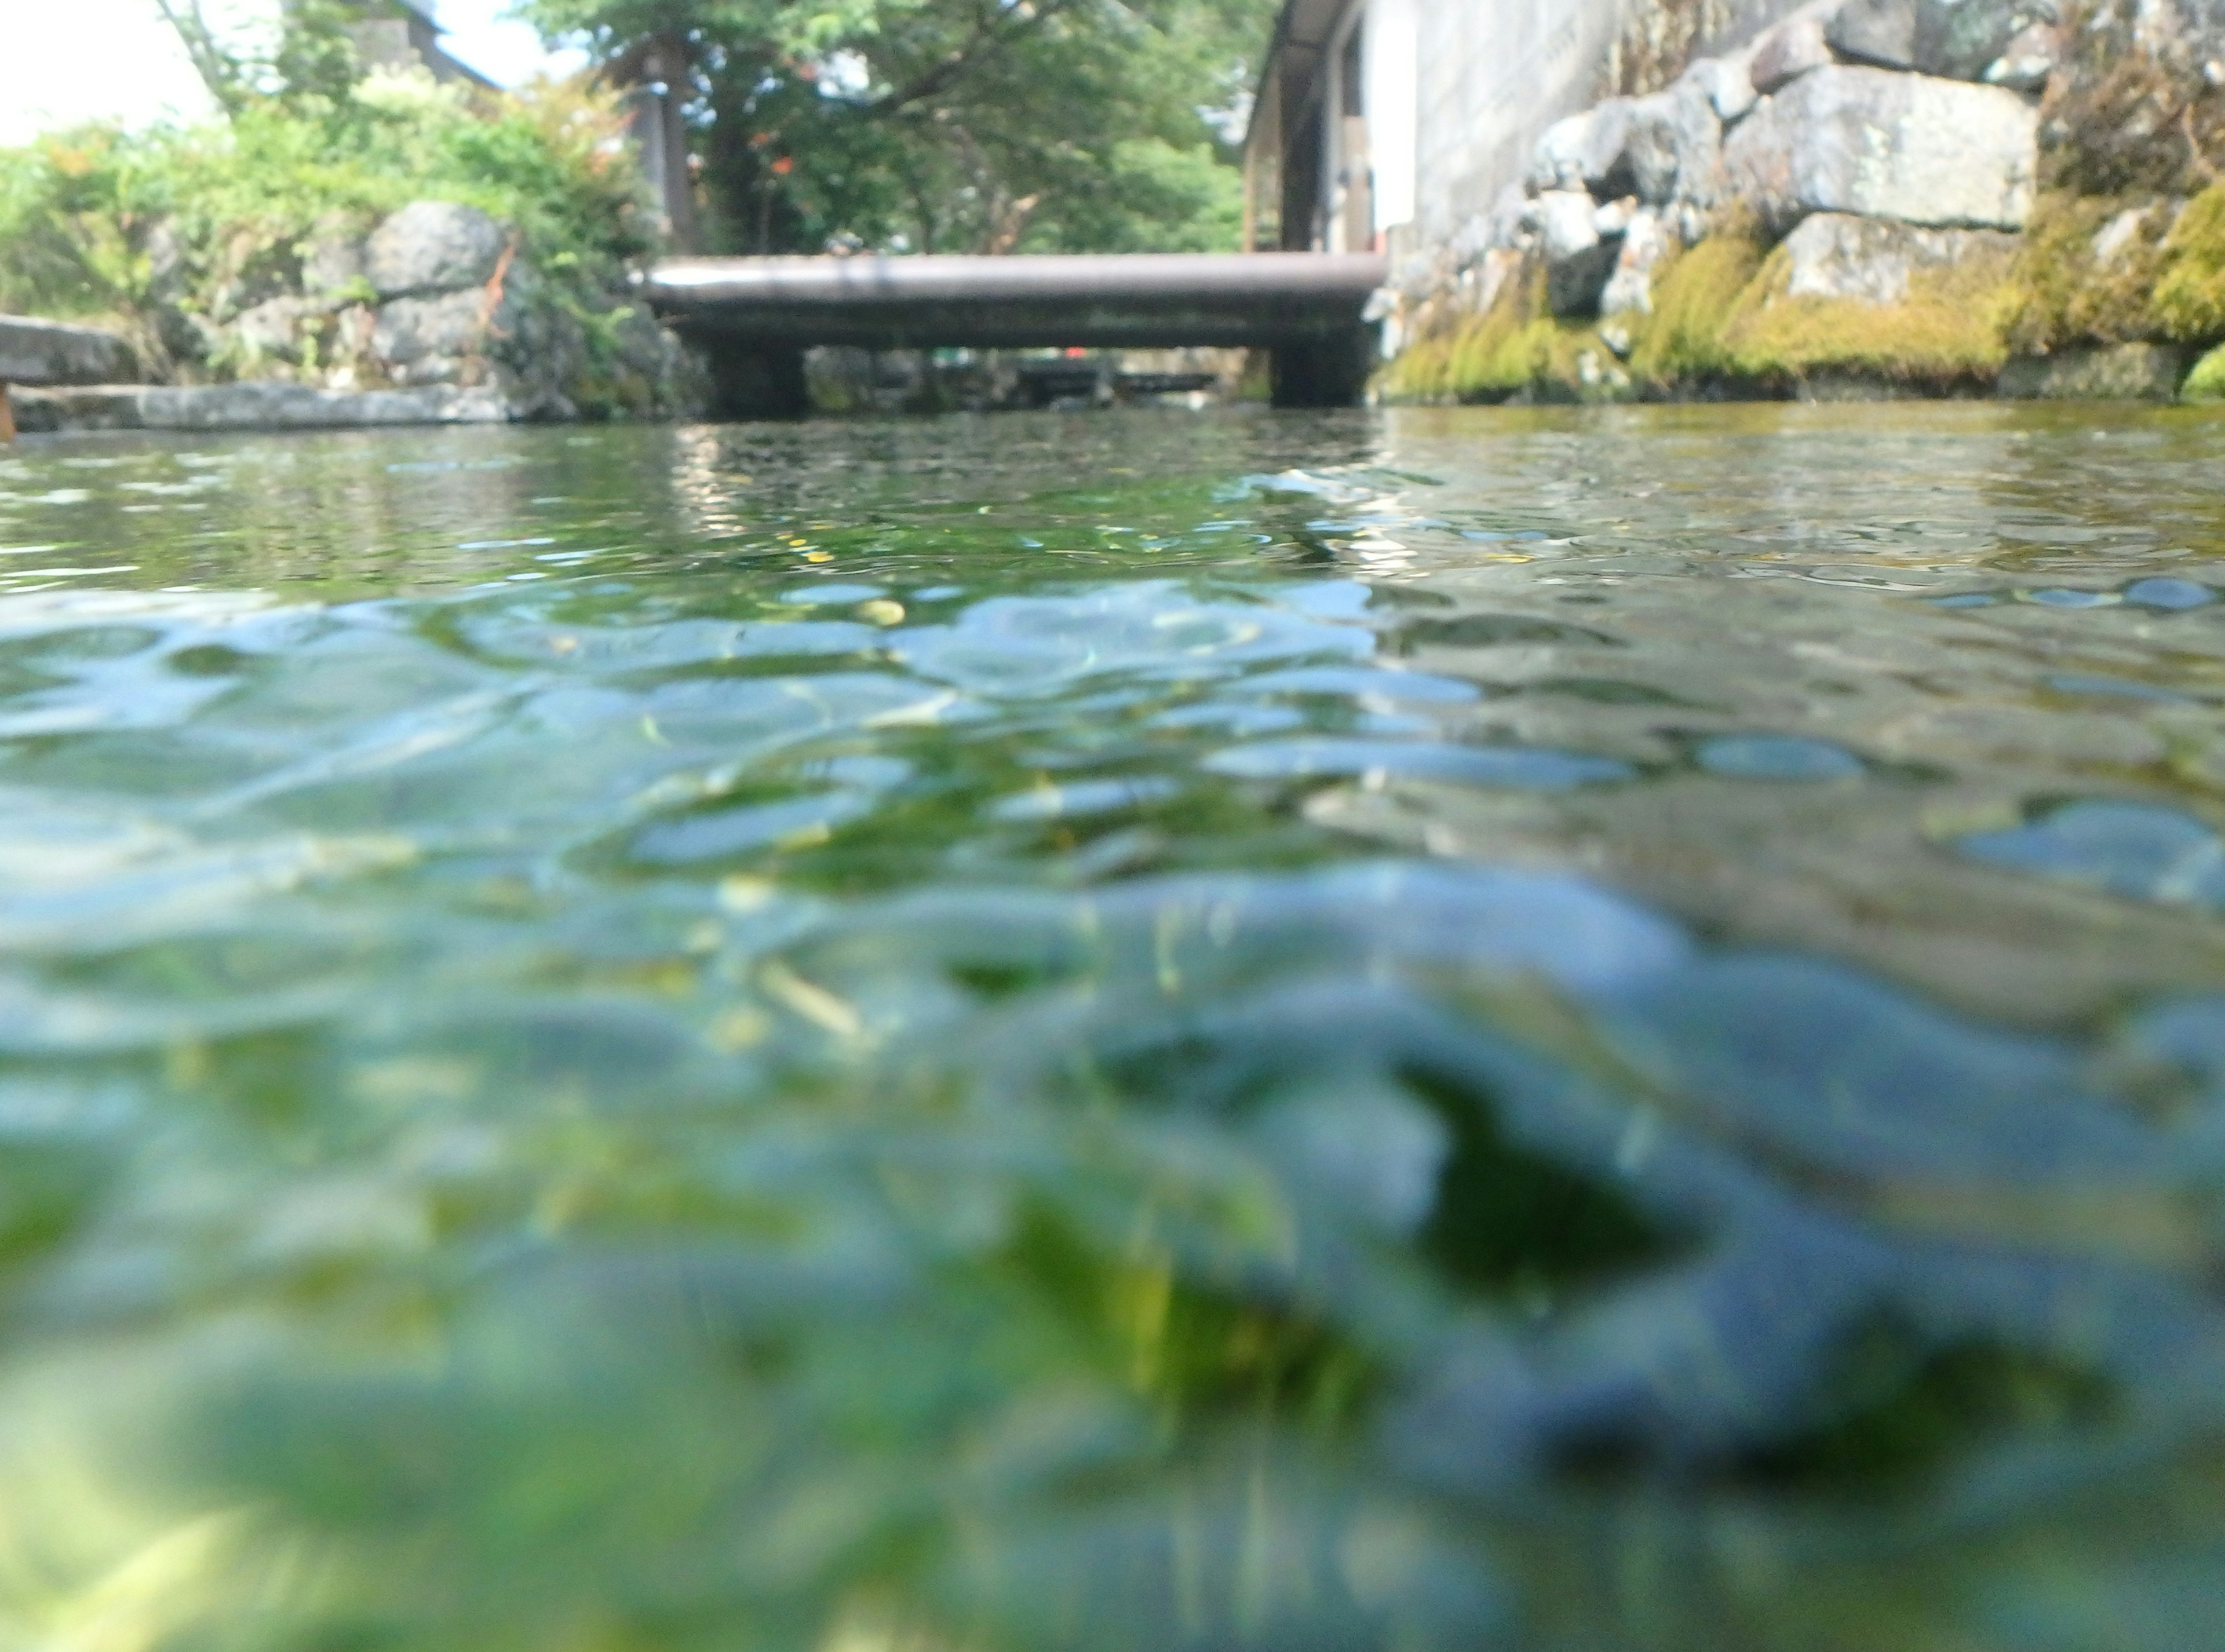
253 407
55 352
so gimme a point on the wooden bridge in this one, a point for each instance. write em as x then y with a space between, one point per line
755 317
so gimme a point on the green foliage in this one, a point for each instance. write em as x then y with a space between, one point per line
937 125
2206 381
206 220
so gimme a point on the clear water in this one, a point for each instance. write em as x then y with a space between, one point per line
1558 1032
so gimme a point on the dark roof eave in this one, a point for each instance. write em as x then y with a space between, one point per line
1302 26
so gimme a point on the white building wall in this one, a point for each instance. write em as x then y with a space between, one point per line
1393 66
1491 75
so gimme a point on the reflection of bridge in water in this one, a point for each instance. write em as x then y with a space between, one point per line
756 316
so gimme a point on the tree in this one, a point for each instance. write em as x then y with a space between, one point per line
948 125
221 69
312 58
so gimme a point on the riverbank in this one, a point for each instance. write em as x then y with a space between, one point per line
1875 198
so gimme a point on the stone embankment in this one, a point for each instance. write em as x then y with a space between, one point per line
431 317
1874 196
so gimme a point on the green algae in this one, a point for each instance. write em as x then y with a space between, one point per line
1721 318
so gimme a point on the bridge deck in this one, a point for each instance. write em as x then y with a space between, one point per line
1105 301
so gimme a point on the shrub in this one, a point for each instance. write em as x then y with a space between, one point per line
2206 381
99 223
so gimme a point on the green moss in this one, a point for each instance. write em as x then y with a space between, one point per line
1694 301
2206 381
1947 329
2062 294
1517 346
2190 290
1721 313
1722 316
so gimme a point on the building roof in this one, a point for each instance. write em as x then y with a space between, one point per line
1290 78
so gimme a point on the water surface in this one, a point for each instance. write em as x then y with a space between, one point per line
1547 1031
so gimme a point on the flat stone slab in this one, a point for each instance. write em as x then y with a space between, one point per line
55 352
253 406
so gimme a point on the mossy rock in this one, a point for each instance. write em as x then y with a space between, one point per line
1514 349
2064 292
1724 323
1694 298
1722 316
2163 281
2189 289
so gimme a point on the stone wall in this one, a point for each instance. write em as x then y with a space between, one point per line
1842 204
1493 76
435 297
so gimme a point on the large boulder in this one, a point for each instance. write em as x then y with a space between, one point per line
275 329
432 246
1673 146
1585 151
1979 39
333 259
1879 32
1728 84
1878 144
1833 254
2135 372
432 340
2005 41
1796 47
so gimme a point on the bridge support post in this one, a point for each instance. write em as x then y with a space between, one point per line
1330 370
756 381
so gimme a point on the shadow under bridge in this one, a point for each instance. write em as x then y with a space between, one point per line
754 318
